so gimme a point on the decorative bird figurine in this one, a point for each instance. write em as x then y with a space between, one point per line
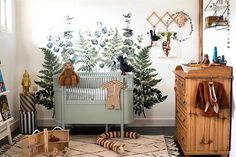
153 36
124 67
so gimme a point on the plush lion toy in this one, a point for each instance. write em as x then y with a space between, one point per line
68 77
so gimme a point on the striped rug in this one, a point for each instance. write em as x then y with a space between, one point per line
84 146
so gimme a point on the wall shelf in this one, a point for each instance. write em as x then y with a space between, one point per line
220 14
217 7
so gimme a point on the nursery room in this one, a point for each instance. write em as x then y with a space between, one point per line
109 78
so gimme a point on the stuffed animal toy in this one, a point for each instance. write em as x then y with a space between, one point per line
102 140
68 77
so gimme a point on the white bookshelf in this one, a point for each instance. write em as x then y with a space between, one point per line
5 125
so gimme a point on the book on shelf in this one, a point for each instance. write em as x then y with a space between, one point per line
2 85
4 108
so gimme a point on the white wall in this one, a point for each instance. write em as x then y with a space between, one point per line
233 63
8 58
218 38
34 18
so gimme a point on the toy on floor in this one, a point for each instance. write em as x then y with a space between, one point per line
65 152
124 67
53 138
25 82
53 153
47 140
68 77
102 140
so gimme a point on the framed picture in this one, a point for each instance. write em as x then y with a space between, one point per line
4 108
167 46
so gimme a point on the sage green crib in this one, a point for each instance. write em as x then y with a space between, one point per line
86 102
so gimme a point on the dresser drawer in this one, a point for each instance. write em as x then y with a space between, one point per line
182 117
181 135
180 101
180 84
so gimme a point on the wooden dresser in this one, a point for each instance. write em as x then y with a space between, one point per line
197 134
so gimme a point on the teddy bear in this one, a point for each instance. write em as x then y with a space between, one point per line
68 77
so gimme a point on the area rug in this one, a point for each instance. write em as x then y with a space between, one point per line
84 146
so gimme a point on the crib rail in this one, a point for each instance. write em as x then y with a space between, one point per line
90 85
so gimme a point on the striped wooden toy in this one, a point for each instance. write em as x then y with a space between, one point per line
102 140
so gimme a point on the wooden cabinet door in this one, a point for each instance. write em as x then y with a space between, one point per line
207 134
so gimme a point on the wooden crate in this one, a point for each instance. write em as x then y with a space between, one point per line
33 145
40 142
62 135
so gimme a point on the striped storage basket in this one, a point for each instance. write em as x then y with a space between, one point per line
27 102
28 122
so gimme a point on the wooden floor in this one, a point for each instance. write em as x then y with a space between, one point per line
168 131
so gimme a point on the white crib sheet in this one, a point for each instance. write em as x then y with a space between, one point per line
89 94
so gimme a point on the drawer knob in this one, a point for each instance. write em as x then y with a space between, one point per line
208 142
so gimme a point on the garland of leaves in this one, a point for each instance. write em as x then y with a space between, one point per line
191 25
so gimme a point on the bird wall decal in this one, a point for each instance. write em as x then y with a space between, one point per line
153 36
124 67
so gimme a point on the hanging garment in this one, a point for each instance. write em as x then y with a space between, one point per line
211 97
113 93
